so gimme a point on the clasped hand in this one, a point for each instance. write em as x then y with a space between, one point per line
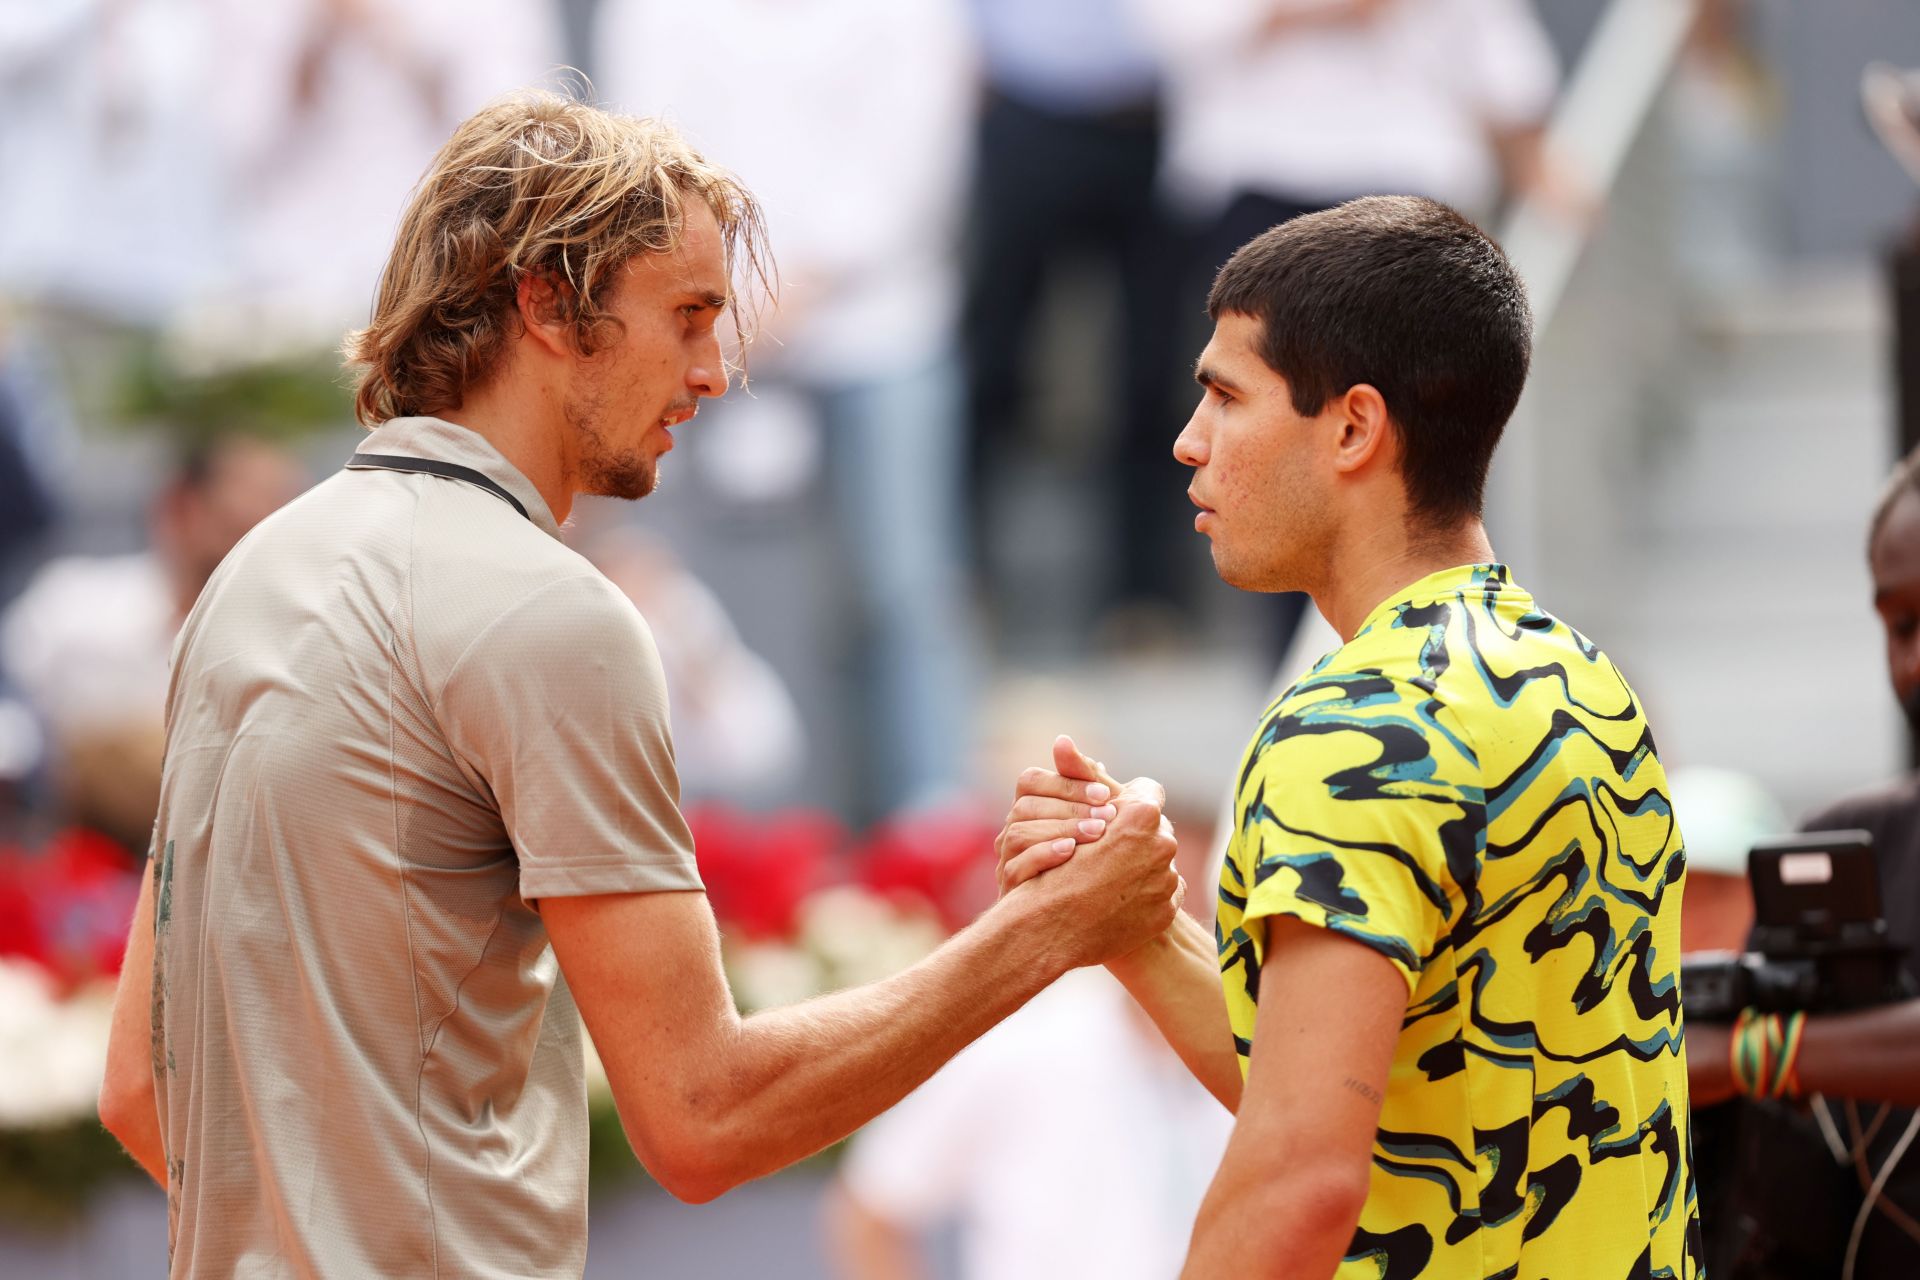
1106 848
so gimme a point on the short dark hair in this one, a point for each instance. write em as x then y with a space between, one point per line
1403 294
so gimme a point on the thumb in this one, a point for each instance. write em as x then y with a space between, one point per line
1071 762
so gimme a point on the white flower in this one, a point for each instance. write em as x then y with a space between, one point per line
53 1053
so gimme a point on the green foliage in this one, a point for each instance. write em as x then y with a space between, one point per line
47 1175
278 400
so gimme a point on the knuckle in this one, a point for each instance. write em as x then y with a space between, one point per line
1031 778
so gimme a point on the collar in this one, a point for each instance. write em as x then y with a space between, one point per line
1484 579
438 440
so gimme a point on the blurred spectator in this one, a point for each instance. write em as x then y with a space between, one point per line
1068 149
860 184
736 731
26 506
328 111
87 642
1281 107
267 147
103 112
1069 1141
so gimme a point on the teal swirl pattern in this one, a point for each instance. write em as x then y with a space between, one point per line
1469 788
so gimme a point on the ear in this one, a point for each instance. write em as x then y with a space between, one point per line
540 299
1366 430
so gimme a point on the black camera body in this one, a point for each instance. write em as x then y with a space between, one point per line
1820 942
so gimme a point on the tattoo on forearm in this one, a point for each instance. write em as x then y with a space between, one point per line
1364 1089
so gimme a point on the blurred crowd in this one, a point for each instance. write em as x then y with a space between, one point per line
217 181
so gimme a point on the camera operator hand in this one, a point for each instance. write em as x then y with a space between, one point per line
1873 1055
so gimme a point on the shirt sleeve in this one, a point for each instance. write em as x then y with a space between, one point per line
1359 809
560 708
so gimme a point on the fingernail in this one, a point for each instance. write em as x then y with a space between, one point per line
1104 812
1092 828
1097 793
1063 846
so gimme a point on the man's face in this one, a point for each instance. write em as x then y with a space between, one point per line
1256 480
1895 561
627 396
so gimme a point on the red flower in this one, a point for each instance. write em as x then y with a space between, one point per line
758 870
943 858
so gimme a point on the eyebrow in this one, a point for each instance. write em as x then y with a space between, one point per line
1210 378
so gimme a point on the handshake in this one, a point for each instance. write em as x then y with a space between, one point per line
1093 857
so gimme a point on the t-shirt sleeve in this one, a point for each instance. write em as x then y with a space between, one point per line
560 708
1359 807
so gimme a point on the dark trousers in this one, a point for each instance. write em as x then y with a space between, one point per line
1050 187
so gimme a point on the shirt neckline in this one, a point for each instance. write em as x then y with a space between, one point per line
1488 575
438 440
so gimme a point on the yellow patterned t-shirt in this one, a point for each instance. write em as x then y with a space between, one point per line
1469 788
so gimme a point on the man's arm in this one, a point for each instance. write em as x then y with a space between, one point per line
1872 1055
1175 977
1294 1179
127 1106
710 1100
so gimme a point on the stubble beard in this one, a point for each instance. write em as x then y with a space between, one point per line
605 471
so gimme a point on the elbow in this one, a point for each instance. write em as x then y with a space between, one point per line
124 1102
693 1162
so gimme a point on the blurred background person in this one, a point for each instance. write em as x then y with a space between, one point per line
736 730
1068 148
331 87
87 642
849 118
1069 1141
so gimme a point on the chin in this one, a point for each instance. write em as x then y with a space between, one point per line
630 482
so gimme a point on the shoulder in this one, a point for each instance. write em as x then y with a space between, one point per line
1390 719
1873 807
577 618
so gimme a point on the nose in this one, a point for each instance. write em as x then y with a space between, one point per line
1190 447
707 375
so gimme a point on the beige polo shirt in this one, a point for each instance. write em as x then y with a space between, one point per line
400 713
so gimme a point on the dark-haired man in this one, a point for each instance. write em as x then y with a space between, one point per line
1449 921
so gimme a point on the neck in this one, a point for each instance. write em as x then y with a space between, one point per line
1366 572
523 421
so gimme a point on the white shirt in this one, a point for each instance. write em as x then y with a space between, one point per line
1069 1141
1400 104
850 120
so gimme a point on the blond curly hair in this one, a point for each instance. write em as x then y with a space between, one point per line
535 184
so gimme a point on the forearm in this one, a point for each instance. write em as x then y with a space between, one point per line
795 1080
127 1106
1296 1224
1176 980
1873 1054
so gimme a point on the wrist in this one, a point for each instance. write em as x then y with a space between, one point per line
1020 924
